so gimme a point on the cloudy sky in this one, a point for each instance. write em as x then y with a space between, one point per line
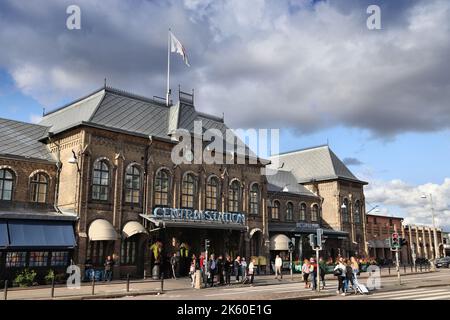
381 98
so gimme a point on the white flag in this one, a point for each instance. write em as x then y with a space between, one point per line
176 46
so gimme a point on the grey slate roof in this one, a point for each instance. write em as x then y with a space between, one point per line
21 139
281 179
318 163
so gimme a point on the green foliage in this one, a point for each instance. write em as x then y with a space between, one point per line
50 276
25 278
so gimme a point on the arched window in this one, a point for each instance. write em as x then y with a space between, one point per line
289 211
212 194
39 187
187 191
357 213
315 212
100 182
344 211
234 195
6 184
275 210
303 212
162 188
133 185
254 199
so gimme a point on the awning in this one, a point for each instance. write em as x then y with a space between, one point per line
194 224
293 228
4 239
131 228
102 230
41 234
279 242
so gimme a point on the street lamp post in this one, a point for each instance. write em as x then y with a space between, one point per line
435 248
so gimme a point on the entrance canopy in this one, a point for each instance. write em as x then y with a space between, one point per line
194 224
279 242
102 230
4 239
132 228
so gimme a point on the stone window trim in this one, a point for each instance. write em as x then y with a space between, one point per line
38 185
14 181
234 203
258 200
140 168
218 195
303 216
272 206
111 167
289 216
195 189
170 176
317 217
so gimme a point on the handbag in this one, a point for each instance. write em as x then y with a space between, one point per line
337 272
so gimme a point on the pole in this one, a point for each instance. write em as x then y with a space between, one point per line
318 270
168 69
128 282
437 254
53 288
290 258
5 293
398 266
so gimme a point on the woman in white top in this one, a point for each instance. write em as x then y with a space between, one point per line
306 269
251 270
339 271
278 265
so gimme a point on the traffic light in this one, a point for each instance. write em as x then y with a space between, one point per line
312 240
403 242
395 242
291 246
206 244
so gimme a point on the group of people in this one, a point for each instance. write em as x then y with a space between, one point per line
219 271
347 271
107 275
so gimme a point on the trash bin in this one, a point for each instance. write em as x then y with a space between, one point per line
155 272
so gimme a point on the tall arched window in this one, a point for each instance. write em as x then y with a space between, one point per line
162 188
234 195
133 185
212 194
39 187
344 211
254 199
6 184
289 211
315 213
357 213
100 182
275 210
303 212
187 191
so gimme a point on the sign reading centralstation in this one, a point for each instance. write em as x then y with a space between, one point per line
198 215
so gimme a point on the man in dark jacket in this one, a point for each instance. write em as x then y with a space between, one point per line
220 265
212 269
228 267
173 264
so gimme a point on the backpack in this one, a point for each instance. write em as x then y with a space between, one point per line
337 272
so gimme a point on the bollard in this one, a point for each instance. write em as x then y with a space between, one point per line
5 297
93 285
128 282
389 268
53 288
416 268
162 282
411 268
420 267
145 274
404 268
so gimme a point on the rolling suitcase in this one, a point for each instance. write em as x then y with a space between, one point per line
362 289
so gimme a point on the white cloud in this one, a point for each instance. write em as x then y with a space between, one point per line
399 198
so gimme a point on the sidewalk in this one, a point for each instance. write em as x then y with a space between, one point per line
149 287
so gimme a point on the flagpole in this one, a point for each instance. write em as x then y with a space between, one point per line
168 69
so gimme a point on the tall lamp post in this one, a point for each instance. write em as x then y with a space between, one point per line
435 248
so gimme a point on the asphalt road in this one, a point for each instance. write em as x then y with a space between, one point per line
414 286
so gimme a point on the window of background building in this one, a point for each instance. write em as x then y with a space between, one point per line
128 250
133 185
59 258
212 194
99 250
39 187
16 259
234 195
38 259
275 210
357 213
344 211
254 199
6 184
289 211
315 213
162 188
303 211
188 191
100 182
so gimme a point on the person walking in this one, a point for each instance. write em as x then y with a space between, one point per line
323 271
243 268
212 269
349 276
237 267
339 272
251 270
173 264
306 269
220 267
313 273
228 267
278 266
109 263
355 268
192 269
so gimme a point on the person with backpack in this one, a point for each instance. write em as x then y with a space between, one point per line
339 271
212 268
306 270
323 271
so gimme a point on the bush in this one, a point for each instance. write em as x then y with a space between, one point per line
50 276
25 278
